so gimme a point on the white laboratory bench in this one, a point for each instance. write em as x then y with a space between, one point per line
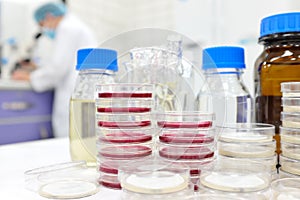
17 158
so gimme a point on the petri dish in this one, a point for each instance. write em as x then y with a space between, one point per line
152 177
109 181
125 151
283 174
183 136
124 90
246 132
290 135
290 165
247 150
123 105
290 150
285 188
63 180
185 152
173 119
290 104
123 120
68 189
290 89
125 137
290 120
236 177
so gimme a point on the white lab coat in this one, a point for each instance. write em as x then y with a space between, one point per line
60 74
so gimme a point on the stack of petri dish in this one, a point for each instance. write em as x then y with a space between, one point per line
248 141
187 138
124 128
149 179
290 130
240 179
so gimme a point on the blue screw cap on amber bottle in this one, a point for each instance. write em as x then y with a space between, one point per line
280 23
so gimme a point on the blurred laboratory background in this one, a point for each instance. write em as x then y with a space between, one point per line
26 115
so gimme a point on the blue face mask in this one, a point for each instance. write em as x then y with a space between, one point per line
50 33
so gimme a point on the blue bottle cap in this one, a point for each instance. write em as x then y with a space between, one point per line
223 57
97 59
280 23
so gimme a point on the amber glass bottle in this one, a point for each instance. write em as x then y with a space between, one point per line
279 62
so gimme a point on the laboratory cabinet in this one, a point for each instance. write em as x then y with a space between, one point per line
25 115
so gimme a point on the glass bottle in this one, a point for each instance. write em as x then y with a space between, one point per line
95 66
278 62
224 92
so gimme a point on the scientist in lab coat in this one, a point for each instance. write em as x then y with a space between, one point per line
68 35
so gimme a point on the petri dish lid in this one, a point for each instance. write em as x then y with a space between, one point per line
63 180
68 189
245 137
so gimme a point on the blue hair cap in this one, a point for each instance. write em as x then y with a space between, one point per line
56 9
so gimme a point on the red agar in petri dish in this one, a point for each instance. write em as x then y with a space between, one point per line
123 110
108 168
125 137
188 153
124 95
110 182
185 138
126 152
203 124
124 124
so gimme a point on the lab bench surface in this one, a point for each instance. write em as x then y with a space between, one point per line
17 158
24 114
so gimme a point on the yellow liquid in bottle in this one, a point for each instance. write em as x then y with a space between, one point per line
82 131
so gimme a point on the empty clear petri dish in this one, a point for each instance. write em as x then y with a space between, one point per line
185 119
285 188
290 89
154 179
246 132
290 120
269 162
290 135
63 181
247 150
